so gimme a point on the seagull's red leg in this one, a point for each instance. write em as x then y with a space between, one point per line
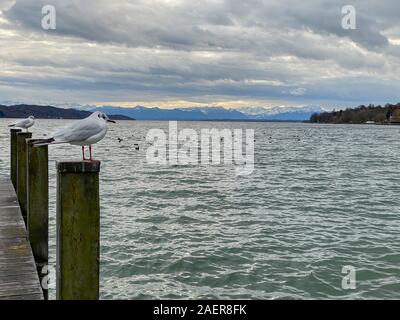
90 152
83 153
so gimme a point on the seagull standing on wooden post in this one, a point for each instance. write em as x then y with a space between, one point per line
24 124
85 132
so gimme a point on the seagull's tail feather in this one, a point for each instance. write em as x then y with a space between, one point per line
43 142
11 125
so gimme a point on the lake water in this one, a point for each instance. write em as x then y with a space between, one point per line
321 197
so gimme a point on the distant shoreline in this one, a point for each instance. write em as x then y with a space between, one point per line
371 114
157 114
48 112
115 117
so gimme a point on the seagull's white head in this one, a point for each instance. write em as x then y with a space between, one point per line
103 117
32 117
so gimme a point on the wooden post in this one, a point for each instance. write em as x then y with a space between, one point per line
38 204
78 230
22 171
13 154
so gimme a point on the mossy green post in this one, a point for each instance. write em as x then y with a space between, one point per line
78 230
38 204
22 171
13 153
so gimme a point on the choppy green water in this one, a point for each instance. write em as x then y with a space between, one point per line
321 197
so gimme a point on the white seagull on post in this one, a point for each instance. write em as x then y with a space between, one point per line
85 132
24 124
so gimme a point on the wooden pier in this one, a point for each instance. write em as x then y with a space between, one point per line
19 279
24 219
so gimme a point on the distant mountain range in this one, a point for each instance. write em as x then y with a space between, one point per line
215 113
180 114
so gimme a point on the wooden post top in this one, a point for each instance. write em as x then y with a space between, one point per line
24 134
31 141
78 166
15 130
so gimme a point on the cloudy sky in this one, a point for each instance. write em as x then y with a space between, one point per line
174 53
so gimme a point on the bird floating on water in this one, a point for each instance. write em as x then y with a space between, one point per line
85 132
24 124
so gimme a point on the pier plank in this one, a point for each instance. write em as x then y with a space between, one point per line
18 276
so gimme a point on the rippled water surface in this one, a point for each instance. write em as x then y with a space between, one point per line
321 197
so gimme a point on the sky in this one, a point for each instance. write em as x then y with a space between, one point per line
183 53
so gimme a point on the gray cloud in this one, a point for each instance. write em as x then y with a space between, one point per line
221 49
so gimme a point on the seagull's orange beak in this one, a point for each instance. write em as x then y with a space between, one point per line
112 121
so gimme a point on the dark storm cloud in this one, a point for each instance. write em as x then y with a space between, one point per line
191 25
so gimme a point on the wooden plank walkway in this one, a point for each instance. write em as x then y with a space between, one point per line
18 276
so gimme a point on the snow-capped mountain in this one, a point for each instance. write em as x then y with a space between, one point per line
215 113
281 113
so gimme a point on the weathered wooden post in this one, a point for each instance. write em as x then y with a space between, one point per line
22 171
78 230
13 154
38 204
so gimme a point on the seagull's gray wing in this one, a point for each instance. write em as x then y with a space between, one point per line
22 123
78 131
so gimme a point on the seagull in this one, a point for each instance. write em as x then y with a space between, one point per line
24 124
85 132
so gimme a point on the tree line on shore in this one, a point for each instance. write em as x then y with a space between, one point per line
390 113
